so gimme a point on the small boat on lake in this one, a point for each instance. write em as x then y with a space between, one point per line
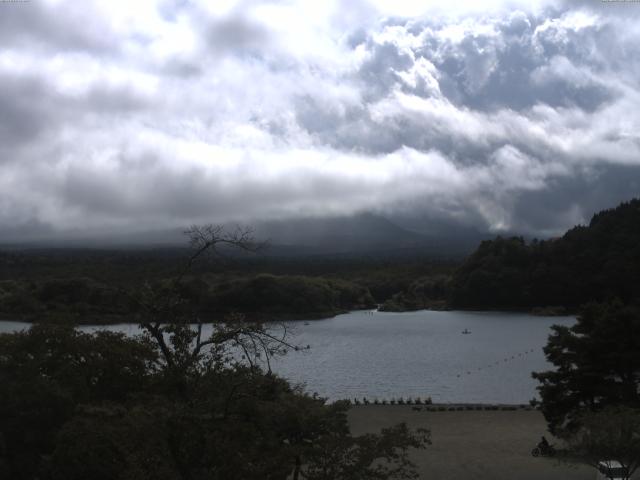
466 331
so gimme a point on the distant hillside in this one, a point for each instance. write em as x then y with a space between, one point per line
594 262
339 234
364 233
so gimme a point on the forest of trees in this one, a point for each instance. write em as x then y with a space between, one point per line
591 397
588 263
95 286
261 296
174 404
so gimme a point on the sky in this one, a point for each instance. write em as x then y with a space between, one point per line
126 116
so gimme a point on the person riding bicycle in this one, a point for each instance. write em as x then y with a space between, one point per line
543 449
544 445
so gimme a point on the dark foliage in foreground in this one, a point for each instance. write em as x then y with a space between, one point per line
589 263
176 403
597 365
104 406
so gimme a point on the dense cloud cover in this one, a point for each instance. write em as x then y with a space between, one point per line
153 114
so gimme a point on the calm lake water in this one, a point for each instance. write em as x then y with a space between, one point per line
384 355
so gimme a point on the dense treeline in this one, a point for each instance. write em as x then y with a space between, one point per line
115 267
63 299
90 286
424 293
294 295
263 296
589 263
383 273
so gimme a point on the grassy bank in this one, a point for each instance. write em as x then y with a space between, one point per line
473 444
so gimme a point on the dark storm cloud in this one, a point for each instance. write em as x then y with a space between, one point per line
236 33
520 64
30 110
574 200
159 114
517 76
379 72
26 230
21 119
72 26
609 8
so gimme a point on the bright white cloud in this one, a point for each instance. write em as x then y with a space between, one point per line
166 112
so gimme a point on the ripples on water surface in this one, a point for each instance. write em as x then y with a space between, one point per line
384 355
422 354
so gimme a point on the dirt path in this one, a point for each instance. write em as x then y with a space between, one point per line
478 445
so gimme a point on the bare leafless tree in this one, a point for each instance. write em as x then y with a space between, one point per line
177 329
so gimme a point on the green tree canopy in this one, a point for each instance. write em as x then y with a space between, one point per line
597 364
597 262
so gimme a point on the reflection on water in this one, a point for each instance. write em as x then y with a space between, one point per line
384 355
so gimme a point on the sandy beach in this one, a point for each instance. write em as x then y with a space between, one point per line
479 445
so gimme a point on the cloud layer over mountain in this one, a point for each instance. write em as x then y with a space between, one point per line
152 114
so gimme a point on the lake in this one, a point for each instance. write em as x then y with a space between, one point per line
388 355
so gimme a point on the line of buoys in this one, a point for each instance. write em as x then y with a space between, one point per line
498 362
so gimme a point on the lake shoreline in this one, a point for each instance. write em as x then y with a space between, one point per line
452 407
107 319
546 311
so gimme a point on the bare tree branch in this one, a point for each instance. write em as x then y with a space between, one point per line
167 319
